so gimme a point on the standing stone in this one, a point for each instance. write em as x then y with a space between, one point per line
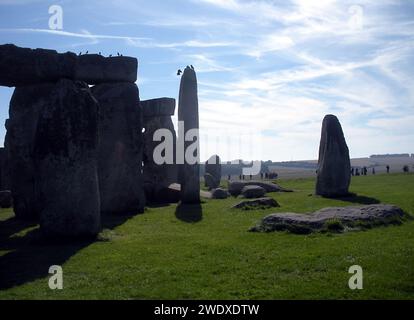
213 168
65 157
4 168
25 106
158 177
334 166
189 174
6 200
120 148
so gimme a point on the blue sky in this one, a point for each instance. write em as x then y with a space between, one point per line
268 71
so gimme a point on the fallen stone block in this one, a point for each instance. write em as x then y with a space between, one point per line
261 203
335 219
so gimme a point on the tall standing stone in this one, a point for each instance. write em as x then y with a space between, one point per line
65 157
4 169
334 166
25 106
120 148
188 113
157 177
213 169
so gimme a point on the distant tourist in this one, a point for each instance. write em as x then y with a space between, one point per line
352 171
373 170
406 169
388 169
251 177
229 177
243 177
261 175
240 177
357 172
365 171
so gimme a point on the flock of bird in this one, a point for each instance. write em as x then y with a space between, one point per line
87 52
179 72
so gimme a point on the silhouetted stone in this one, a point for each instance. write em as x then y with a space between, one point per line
167 195
261 203
4 168
253 192
157 115
334 165
24 66
213 168
6 199
219 193
189 174
332 219
120 148
65 157
25 106
210 181
160 107
235 187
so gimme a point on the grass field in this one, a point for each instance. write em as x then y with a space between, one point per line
158 255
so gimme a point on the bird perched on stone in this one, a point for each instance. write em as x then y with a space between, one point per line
100 53
80 53
118 54
110 55
87 52
179 72
192 67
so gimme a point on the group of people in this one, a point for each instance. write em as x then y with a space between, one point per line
263 175
364 171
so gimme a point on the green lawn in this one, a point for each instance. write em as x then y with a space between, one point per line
159 256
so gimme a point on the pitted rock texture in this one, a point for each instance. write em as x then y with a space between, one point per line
335 219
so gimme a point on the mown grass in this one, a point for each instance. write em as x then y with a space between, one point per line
158 256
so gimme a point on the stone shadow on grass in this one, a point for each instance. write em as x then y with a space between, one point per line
359 199
189 213
30 256
12 226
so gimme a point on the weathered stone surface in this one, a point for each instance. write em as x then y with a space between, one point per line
236 187
210 181
6 199
189 174
334 165
24 66
219 193
96 69
253 192
65 161
213 168
160 107
261 203
335 219
157 177
120 148
25 106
